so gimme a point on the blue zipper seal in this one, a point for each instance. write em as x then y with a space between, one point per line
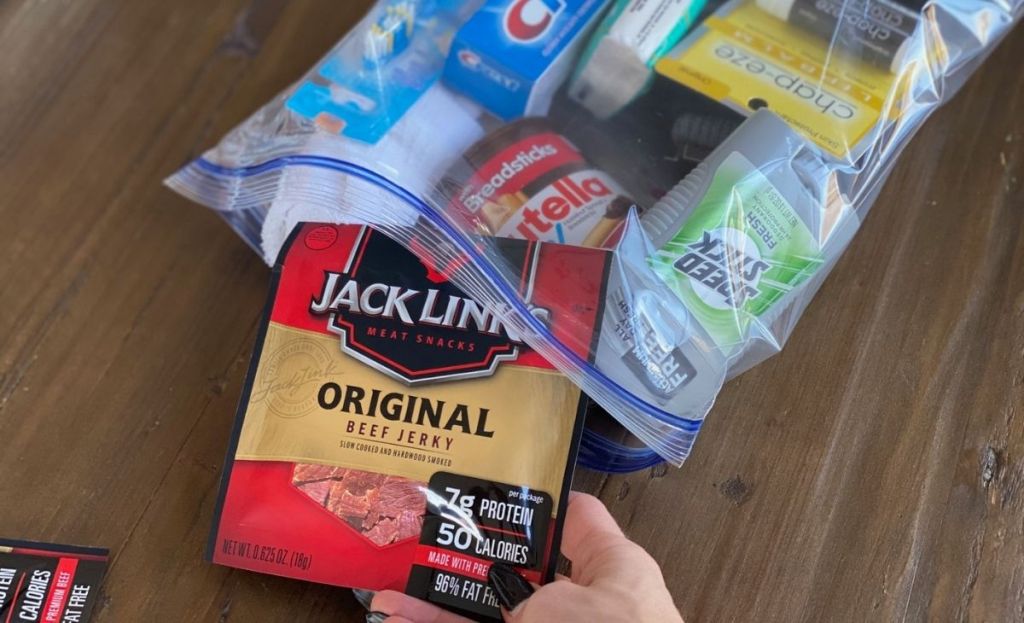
464 245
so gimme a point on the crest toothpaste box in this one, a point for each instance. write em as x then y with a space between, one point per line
512 55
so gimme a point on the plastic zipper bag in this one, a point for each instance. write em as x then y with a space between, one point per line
748 143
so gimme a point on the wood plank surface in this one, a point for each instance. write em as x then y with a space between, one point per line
872 471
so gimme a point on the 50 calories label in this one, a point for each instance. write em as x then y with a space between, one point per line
470 524
540 187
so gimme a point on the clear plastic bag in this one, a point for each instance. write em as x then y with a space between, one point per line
726 152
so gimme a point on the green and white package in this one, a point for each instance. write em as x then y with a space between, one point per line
617 65
743 248
741 234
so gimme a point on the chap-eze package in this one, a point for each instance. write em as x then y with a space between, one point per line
512 55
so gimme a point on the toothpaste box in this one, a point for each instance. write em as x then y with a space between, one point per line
512 55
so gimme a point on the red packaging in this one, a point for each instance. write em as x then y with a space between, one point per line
527 181
392 433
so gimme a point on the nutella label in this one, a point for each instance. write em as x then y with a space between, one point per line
573 210
539 187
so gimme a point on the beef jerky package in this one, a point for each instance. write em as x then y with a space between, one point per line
46 583
395 434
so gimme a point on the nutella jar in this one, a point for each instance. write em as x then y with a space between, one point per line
527 181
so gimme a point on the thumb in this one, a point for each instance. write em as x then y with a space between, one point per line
596 546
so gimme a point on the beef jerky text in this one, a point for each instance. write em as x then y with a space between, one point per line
399 407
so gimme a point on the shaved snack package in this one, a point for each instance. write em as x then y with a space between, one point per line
41 582
393 433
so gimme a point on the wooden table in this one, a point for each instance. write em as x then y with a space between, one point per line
873 471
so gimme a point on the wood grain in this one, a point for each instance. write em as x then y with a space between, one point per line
873 471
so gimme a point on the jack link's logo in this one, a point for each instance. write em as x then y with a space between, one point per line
402 317
528 20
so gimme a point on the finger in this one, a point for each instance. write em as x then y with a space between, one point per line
414 610
595 544
587 522
397 620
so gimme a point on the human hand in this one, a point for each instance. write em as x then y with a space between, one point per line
613 579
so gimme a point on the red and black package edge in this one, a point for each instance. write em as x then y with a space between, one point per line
54 581
602 301
75 551
243 400
563 498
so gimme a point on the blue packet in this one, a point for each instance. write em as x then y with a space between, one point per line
365 84
513 55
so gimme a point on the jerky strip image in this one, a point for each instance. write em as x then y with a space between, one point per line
385 509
